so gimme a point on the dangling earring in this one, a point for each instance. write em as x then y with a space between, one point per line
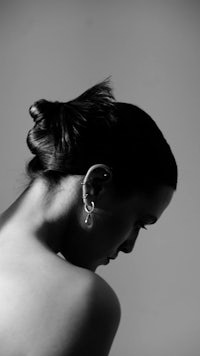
89 210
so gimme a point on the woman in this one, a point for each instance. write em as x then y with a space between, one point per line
101 171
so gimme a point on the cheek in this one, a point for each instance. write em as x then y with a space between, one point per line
117 228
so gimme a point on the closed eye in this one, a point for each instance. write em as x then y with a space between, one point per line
141 225
151 220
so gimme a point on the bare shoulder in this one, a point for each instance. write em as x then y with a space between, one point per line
99 294
97 315
105 296
94 288
88 310
102 295
96 295
61 311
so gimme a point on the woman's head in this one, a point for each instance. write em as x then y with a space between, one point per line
126 167
68 138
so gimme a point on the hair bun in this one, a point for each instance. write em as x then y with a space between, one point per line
44 109
38 110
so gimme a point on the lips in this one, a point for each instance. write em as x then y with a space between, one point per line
113 257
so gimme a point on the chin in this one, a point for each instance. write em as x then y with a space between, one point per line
104 261
93 266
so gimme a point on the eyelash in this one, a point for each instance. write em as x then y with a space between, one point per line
142 226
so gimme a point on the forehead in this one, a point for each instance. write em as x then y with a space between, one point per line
154 203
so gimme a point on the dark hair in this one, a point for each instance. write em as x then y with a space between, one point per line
69 137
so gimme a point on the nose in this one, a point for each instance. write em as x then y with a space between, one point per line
128 245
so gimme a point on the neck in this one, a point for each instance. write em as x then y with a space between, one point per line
36 213
27 209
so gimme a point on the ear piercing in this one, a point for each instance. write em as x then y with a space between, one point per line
85 196
105 175
89 210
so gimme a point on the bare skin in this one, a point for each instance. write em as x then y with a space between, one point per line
54 306
44 304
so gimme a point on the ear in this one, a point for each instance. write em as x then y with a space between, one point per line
95 181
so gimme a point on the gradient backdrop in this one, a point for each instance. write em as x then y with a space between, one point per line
56 50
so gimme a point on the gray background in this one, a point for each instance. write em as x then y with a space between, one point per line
57 49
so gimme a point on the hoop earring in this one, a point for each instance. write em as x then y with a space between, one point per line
89 210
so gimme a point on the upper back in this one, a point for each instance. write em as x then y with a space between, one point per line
56 311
